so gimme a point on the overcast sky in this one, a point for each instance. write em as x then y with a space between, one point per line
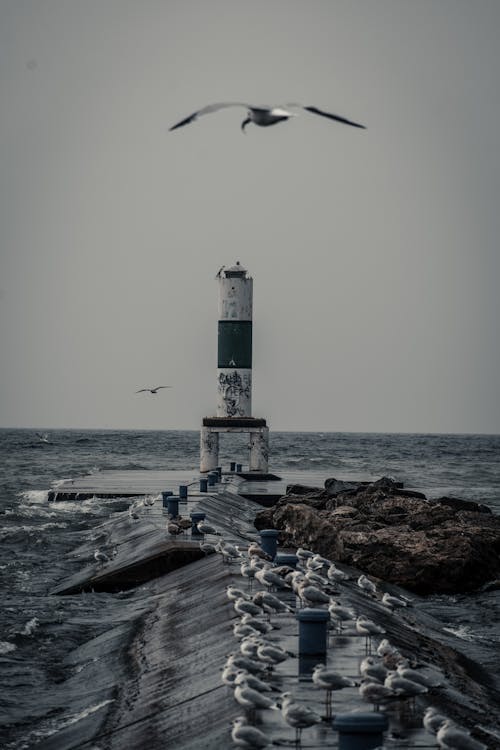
374 253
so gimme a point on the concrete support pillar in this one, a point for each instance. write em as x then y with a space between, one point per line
259 450
209 450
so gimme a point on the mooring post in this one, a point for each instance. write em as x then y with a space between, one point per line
203 484
195 518
269 541
313 632
285 558
360 731
165 495
173 506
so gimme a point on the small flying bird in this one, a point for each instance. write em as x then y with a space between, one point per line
263 116
153 390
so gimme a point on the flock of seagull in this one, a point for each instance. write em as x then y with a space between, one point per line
268 591
385 676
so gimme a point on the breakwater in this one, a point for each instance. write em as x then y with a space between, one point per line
158 678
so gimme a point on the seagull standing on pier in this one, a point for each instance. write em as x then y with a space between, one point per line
263 116
245 735
100 557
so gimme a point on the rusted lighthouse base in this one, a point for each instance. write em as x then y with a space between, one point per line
259 441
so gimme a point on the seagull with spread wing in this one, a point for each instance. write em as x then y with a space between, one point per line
263 116
153 390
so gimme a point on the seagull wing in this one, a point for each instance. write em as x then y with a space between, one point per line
206 111
142 390
330 116
157 388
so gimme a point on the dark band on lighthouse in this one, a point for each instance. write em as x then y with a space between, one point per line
235 344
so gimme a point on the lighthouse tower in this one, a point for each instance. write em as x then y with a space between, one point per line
234 350
234 374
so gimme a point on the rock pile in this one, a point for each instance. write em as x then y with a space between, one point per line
446 545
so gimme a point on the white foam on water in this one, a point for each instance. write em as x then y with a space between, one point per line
6 647
74 718
35 497
30 626
462 631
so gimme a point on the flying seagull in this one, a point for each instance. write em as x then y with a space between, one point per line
262 116
153 390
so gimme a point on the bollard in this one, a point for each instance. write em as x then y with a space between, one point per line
239 468
313 631
195 517
173 506
183 491
360 731
269 541
219 472
213 477
203 485
232 466
285 558
165 495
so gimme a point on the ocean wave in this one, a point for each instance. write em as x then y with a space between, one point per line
6 647
12 531
30 627
34 497
462 631
74 718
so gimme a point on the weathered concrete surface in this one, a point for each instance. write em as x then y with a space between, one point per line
440 546
156 674
138 550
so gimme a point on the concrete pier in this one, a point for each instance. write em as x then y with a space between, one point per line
163 687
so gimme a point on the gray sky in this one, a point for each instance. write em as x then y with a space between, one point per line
374 253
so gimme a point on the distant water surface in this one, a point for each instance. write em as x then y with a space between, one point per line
39 631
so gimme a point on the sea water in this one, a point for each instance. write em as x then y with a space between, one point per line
38 631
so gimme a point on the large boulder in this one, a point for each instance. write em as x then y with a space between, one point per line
443 546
